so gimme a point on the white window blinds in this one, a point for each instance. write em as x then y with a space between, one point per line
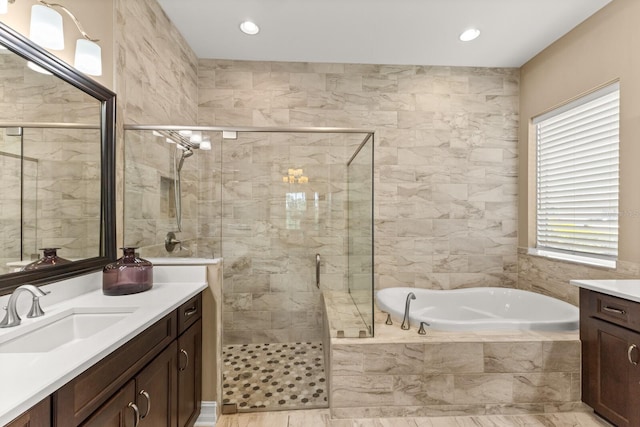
577 176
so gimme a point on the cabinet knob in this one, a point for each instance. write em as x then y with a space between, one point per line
148 398
186 355
629 354
136 413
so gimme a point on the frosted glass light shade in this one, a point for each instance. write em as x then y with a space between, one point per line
4 6
37 68
46 27
88 57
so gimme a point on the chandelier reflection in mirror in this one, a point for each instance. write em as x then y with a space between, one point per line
47 31
295 176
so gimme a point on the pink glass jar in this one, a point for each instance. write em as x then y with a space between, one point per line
49 259
128 275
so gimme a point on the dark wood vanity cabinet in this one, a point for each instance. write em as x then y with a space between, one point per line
38 416
153 380
118 411
610 335
190 374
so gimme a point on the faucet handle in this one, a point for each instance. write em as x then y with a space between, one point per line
422 331
36 310
388 321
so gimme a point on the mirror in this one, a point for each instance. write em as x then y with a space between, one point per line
57 165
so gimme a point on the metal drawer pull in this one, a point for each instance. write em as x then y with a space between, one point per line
136 413
191 311
629 351
614 310
146 396
186 365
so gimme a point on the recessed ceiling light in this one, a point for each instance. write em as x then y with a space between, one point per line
249 27
470 34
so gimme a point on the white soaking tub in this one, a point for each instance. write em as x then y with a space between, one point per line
474 309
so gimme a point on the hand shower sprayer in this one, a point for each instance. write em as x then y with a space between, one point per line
178 163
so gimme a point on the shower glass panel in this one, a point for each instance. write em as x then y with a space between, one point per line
172 186
271 202
11 195
360 232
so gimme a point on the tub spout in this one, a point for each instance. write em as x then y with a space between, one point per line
405 320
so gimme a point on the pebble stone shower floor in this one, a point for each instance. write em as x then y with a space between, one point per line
271 377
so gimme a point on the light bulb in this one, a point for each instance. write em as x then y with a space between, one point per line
470 34
249 28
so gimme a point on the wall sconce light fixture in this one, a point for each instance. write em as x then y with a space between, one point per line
46 30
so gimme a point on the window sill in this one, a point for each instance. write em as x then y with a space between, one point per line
576 259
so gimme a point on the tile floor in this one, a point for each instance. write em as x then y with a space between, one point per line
321 418
271 377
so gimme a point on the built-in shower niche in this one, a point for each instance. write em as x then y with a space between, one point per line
167 197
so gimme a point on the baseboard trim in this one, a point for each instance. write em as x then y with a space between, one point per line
208 415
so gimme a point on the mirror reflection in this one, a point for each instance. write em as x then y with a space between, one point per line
50 166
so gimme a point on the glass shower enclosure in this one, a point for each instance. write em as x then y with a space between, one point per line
290 211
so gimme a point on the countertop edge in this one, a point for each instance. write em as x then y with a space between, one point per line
616 288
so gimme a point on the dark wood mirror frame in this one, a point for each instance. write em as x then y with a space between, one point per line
23 47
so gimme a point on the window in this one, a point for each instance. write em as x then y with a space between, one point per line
577 178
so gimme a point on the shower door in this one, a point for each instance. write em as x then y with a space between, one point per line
284 207
284 199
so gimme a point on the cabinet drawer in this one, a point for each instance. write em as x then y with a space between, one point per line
189 313
76 400
611 309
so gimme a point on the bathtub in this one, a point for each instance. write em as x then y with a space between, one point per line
476 309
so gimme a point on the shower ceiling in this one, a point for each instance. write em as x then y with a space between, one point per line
416 32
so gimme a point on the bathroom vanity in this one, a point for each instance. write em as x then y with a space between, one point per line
610 335
143 369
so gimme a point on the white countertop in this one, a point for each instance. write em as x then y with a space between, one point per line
27 378
627 289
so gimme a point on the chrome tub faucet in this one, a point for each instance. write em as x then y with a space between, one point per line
405 321
12 318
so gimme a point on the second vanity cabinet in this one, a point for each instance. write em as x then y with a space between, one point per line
153 380
610 335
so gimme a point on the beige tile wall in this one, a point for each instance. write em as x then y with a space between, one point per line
446 156
551 277
156 81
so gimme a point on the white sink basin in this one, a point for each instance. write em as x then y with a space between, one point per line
63 328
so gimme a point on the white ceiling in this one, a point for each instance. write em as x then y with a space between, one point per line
416 32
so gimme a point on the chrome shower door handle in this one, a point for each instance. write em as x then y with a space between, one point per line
318 271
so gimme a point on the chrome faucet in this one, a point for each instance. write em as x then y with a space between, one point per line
12 318
405 320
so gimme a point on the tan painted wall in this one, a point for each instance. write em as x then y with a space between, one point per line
96 18
602 49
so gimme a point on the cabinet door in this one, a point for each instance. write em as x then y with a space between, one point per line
611 380
189 374
157 390
38 416
118 411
